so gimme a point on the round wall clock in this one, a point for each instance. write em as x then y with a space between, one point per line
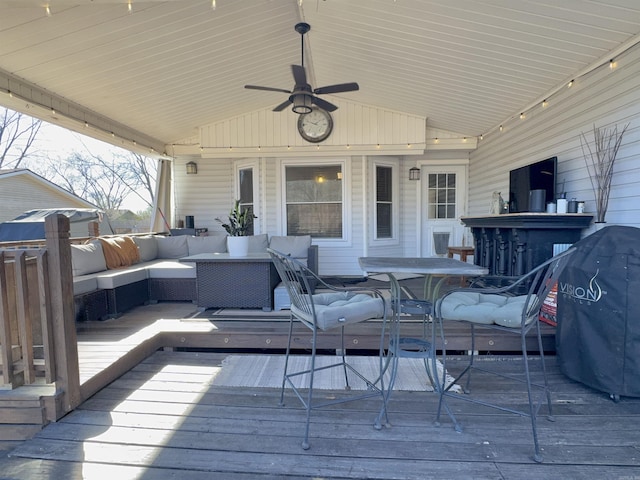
316 125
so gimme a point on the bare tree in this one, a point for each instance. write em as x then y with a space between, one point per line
141 174
17 135
104 182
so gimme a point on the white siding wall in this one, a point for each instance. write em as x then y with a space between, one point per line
603 98
207 195
358 126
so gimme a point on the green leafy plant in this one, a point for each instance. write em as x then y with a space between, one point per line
600 160
240 221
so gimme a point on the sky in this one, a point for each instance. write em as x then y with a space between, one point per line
58 142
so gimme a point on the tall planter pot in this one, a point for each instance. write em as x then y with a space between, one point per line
238 246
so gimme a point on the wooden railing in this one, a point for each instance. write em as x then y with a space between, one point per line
25 315
37 323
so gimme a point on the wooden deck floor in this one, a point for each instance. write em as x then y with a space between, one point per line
153 414
165 419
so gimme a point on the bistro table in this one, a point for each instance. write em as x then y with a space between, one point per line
435 270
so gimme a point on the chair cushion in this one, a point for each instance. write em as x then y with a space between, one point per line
483 308
210 244
87 259
147 246
172 247
342 308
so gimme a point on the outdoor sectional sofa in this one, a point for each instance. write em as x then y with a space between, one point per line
114 274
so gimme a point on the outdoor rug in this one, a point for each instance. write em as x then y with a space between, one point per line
266 371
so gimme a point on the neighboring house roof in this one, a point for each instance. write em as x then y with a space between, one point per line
22 190
30 225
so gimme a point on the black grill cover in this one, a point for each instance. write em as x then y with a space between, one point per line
598 333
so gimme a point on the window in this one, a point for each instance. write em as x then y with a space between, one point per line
442 195
314 203
384 202
245 181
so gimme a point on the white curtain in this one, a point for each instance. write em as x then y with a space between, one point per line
162 208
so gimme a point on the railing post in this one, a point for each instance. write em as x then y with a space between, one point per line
65 341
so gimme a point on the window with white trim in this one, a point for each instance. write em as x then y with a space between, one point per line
384 202
314 200
245 188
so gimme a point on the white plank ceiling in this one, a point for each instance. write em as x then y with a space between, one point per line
168 67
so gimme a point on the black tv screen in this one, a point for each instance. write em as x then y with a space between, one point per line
537 176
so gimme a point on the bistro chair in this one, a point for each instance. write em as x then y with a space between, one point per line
329 309
513 308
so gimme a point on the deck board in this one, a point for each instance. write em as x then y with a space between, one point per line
165 419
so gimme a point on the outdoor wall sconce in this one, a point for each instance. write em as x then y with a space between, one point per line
414 173
192 168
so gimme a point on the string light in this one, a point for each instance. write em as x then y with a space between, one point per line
522 116
570 84
130 6
213 4
612 64
501 128
545 103
47 10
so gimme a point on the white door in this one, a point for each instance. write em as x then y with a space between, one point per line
443 194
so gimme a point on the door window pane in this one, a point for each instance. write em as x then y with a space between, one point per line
441 195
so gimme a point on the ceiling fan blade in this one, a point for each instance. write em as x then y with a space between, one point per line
268 89
329 107
282 106
299 74
341 87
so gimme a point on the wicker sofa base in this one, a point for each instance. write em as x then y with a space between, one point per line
91 306
172 289
121 299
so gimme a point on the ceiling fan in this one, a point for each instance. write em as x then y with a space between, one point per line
302 96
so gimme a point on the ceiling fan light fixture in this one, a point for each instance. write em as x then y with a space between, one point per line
301 104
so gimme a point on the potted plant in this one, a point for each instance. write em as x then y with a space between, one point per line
600 160
238 225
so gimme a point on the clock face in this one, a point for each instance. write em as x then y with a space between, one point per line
316 125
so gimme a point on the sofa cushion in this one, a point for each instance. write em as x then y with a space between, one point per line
296 246
147 247
84 284
119 251
212 244
170 269
258 243
117 278
173 247
87 259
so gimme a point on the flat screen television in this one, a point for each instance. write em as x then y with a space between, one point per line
537 176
